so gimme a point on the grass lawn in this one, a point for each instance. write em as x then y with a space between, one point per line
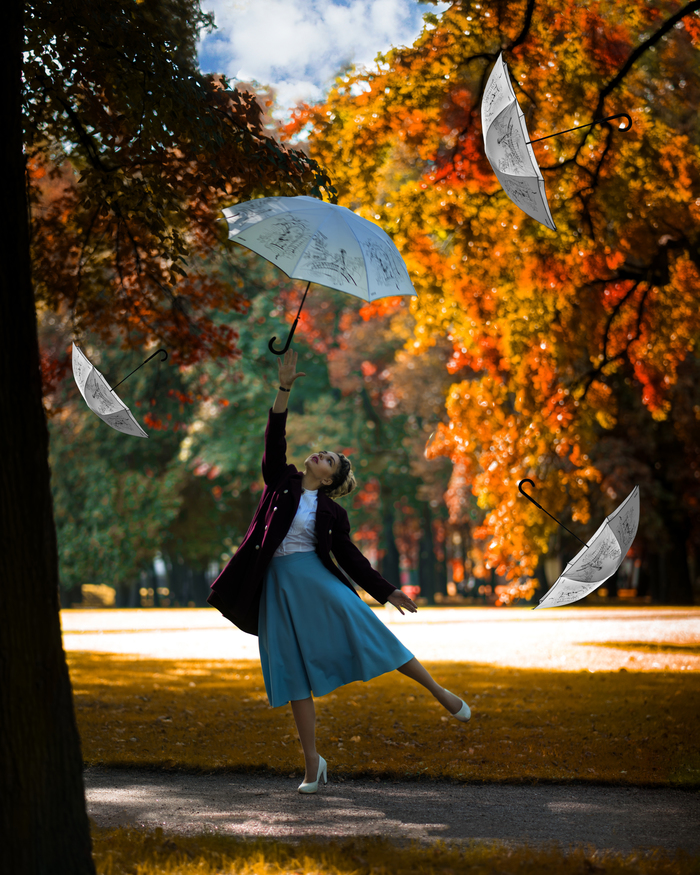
528 726
132 852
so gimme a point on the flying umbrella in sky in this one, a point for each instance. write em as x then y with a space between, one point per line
508 145
323 243
600 557
101 398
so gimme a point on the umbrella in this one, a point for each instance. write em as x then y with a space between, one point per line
600 557
312 240
101 398
508 145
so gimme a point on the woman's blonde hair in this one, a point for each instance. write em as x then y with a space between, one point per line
343 480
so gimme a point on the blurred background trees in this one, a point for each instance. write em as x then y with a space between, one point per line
568 357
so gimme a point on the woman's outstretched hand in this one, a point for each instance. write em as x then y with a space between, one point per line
400 600
288 369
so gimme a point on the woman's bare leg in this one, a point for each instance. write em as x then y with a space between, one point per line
305 719
414 670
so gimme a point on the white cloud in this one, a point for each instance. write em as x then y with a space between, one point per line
299 46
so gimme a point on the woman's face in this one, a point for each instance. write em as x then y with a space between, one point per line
323 465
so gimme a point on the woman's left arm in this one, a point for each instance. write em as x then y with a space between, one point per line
359 569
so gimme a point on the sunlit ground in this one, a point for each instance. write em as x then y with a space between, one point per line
565 639
608 695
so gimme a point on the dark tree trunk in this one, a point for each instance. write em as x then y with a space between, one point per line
44 827
202 588
673 584
426 556
71 596
390 562
441 568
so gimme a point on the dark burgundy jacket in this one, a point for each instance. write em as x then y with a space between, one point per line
236 591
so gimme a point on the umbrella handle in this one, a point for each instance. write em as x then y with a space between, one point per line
578 128
530 498
271 344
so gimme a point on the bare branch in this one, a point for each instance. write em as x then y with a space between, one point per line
522 36
688 9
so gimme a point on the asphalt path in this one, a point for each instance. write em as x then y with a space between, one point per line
250 806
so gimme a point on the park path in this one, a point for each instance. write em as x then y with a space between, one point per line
249 806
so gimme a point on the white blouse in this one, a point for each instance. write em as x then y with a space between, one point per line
301 537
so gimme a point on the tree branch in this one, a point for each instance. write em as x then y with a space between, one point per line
596 372
84 138
647 44
522 36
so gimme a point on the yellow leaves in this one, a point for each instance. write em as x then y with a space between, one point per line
545 328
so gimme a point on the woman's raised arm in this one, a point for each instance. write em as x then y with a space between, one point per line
287 375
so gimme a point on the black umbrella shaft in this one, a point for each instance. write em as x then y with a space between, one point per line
530 498
165 355
271 344
303 299
578 128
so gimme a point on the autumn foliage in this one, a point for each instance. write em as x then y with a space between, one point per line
131 154
573 352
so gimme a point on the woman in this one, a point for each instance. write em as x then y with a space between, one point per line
315 633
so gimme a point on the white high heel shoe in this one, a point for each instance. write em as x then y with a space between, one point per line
312 786
464 714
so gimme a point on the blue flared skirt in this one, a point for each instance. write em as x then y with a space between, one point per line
315 635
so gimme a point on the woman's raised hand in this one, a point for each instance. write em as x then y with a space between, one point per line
288 369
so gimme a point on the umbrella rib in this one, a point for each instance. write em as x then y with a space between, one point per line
363 258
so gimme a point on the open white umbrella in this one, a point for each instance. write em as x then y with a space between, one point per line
101 398
600 557
508 145
323 243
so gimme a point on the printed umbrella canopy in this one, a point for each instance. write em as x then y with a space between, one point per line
508 145
101 398
323 243
600 557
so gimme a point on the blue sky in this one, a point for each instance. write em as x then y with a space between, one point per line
299 46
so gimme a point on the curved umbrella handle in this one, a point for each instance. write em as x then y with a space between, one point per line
621 115
530 498
271 344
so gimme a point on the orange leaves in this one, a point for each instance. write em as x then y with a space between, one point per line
381 307
553 336
368 495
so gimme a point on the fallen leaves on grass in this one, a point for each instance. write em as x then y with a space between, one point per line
122 851
527 725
